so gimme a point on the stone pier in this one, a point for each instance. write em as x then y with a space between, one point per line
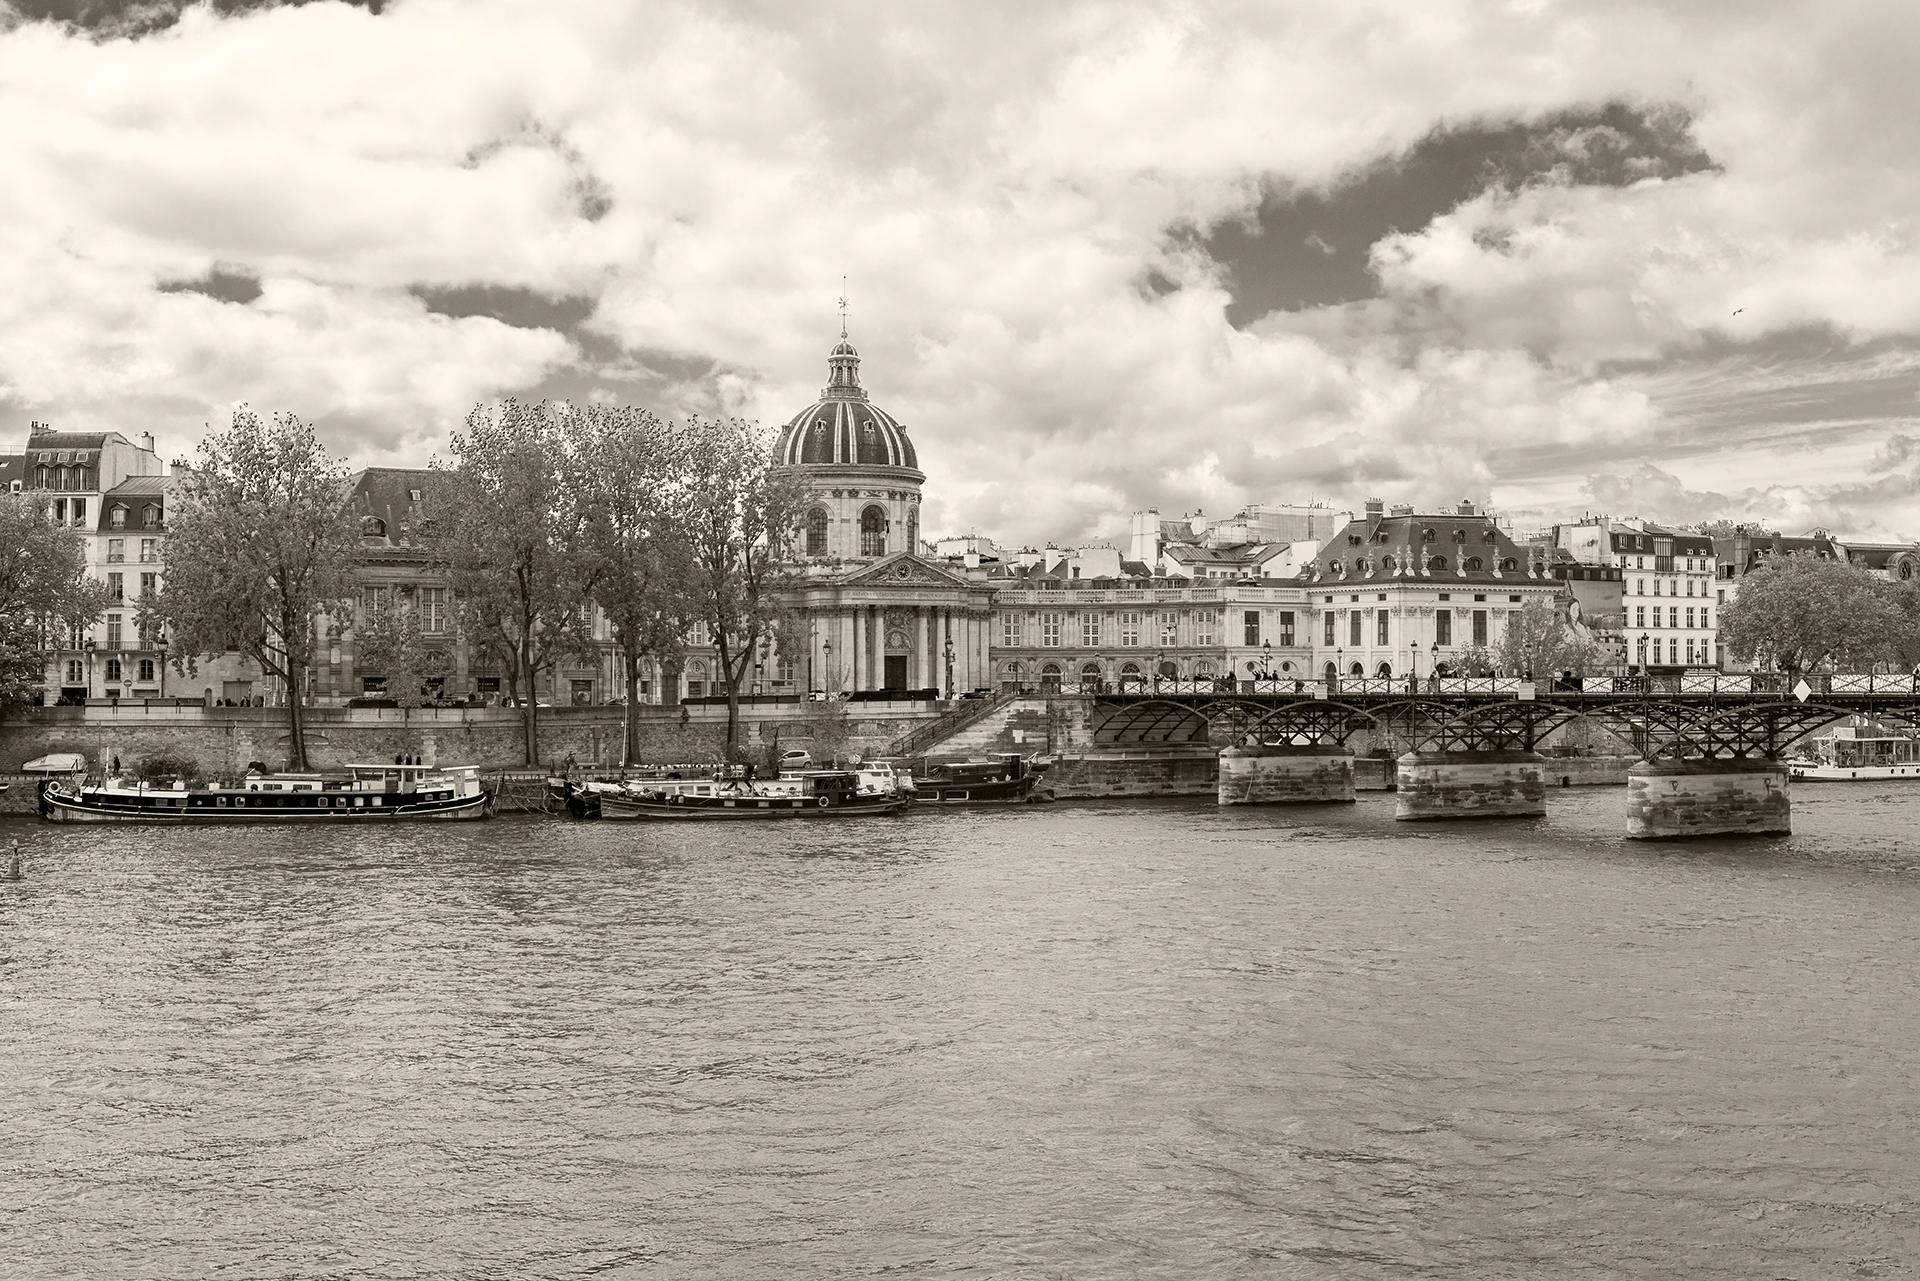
1285 775
1501 784
1677 798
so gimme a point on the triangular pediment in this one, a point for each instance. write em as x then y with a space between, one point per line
904 569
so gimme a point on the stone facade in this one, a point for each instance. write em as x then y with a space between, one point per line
1707 798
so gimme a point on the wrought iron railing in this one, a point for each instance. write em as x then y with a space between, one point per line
968 713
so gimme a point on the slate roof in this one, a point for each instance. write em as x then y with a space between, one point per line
386 494
843 428
12 467
1382 549
134 493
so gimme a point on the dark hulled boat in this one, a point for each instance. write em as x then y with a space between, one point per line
1004 779
372 793
812 794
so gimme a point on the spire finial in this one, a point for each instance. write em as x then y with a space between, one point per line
843 307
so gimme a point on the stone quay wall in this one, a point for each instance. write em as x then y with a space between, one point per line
1667 799
1470 785
1163 772
222 740
1285 775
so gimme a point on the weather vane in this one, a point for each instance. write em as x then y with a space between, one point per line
843 307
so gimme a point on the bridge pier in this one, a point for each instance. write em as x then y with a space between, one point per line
1285 774
1707 797
1496 784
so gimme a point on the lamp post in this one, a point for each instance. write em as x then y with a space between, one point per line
1646 673
1266 659
826 661
758 668
1159 660
90 648
161 642
947 652
1413 666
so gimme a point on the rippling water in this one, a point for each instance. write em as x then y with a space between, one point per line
1124 1040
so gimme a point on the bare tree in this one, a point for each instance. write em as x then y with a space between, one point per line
506 532
742 514
260 545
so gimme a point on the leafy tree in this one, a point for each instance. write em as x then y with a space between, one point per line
506 531
390 643
630 472
1540 639
260 545
1800 611
742 514
1903 648
1472 660
44 591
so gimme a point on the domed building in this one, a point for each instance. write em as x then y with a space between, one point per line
877 614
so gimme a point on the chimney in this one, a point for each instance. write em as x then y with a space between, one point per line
1466 507
1375 509
38 428
1403 509
146 441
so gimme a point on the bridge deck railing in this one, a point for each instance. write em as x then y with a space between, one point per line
1818 685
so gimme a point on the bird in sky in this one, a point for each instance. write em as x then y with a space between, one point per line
1738 310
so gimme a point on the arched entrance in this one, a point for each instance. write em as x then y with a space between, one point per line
1385 671
1331 673
1050 679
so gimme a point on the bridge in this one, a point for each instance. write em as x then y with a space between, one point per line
1709 748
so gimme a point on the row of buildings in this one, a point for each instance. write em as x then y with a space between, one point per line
1284 591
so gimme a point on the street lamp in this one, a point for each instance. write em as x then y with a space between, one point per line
947 651
758 668
826 660
91 643
1413 665
161 642
1266 659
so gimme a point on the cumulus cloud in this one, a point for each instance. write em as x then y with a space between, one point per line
685 186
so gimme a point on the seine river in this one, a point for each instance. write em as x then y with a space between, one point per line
1140 1040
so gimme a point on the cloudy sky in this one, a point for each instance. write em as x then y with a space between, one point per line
1559 255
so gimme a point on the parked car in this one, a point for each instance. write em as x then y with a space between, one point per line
796 759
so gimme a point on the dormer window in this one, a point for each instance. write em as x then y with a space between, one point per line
373 527
117 518
1473 562
1508 565
1488 537
1459 535
413 495
1353 540
1426 535
149 516
1438 562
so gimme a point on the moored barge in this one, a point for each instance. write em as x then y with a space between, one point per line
372 793
1004 779
812 794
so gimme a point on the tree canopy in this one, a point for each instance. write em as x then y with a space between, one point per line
259 546
505 527
1800 611
1540 640
44 591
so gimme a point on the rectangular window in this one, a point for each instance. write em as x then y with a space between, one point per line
1673 652
1010 629
1250 627
113 631
1328 618
79 511
1720 596
1380 627
432 604
149 551
1090 630
1050 629
150 517
1129 627
116 587
117 518
149 583
1443 627
1703 617
374 601
1639 615
116 550
1673 616
1286 627
146 669
1353 628
1204 621
1169 628
1689 619
1480 627
59 511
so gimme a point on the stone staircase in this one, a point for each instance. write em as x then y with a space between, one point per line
1017 725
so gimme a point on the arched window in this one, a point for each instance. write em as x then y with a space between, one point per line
1473 562
1508 565
1332 673
149 516
817 532
1437 563
1358 669
1386 564
1906 569
1202 667
1384 670
1129 672
1050 676
1488 536
1360 564
696 679
1459 535
1426 535
873 532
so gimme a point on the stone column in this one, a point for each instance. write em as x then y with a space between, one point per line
1735 797
1285 775
843 647
1471 785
